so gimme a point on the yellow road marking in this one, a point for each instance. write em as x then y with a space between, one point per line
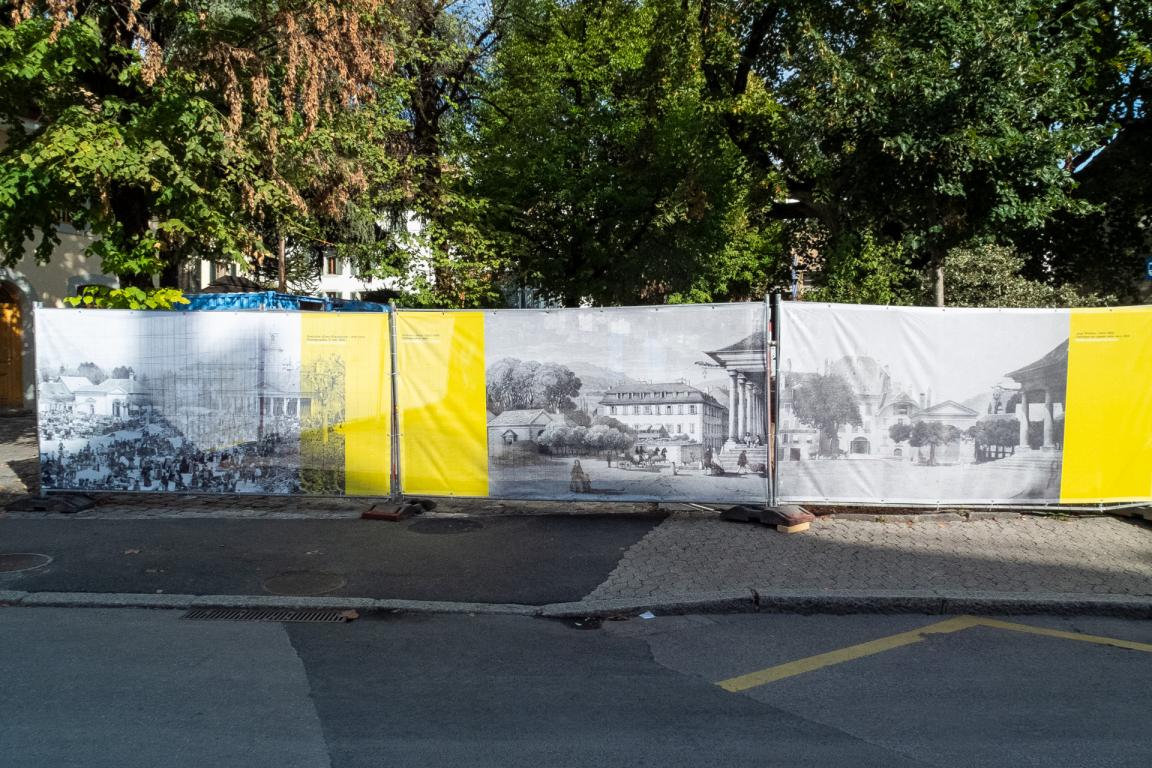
1133 646
872 647
799 667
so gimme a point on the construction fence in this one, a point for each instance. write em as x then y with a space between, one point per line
694 403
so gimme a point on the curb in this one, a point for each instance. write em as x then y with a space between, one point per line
839 602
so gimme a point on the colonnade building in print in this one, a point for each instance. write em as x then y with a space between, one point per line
745 364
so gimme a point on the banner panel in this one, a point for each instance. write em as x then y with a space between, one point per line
213 402
921 405
440 396
1108 436
637 404
346 440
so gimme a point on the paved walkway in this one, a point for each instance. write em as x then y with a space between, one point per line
697 553
689 555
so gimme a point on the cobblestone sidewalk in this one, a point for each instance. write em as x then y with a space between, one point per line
695 553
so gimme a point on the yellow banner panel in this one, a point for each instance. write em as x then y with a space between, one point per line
441 401
1108 427
345 430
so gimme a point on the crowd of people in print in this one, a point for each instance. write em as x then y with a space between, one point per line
150 455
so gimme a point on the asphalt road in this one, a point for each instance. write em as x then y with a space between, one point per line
530 560
118 689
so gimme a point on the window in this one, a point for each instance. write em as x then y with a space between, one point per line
331 265
691 428
679 429
647 410
668 410
635 410
611 410
692 410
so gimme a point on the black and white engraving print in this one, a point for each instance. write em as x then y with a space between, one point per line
204 403
883 405
628 404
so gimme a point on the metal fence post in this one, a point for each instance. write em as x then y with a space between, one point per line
395 491
774 388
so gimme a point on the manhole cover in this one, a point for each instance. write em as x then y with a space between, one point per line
446 525
22 561
303 583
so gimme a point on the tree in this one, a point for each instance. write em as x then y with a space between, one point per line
930 124
827 402
555 436
514 384
93 372
992 276
599 169
899 433
930 434
175 130
122 372
613 423
996 435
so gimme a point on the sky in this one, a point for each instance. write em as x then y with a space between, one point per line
953 353
647 343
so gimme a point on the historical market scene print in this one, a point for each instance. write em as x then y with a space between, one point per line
209 402
628 403
879 404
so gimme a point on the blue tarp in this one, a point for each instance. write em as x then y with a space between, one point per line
266 300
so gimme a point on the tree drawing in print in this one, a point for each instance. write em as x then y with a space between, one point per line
932 434
826 402
523 384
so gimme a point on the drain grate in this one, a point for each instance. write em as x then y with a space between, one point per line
311 615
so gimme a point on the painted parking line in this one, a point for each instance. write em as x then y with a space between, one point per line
872 647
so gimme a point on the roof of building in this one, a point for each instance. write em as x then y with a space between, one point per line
127 386
79 384
657 394
56 390
1053 363
752 343
948 407
524 418
864 374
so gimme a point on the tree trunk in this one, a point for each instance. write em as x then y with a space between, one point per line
282 284
938 276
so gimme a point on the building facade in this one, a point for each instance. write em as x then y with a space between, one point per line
675 407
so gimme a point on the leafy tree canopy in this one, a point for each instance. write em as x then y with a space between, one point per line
176 129
603 175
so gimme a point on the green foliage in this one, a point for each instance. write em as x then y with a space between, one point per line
991 276
860 270
102 297
189 131
932 124
604 176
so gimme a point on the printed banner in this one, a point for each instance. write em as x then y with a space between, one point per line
989 406
625 404
214 402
